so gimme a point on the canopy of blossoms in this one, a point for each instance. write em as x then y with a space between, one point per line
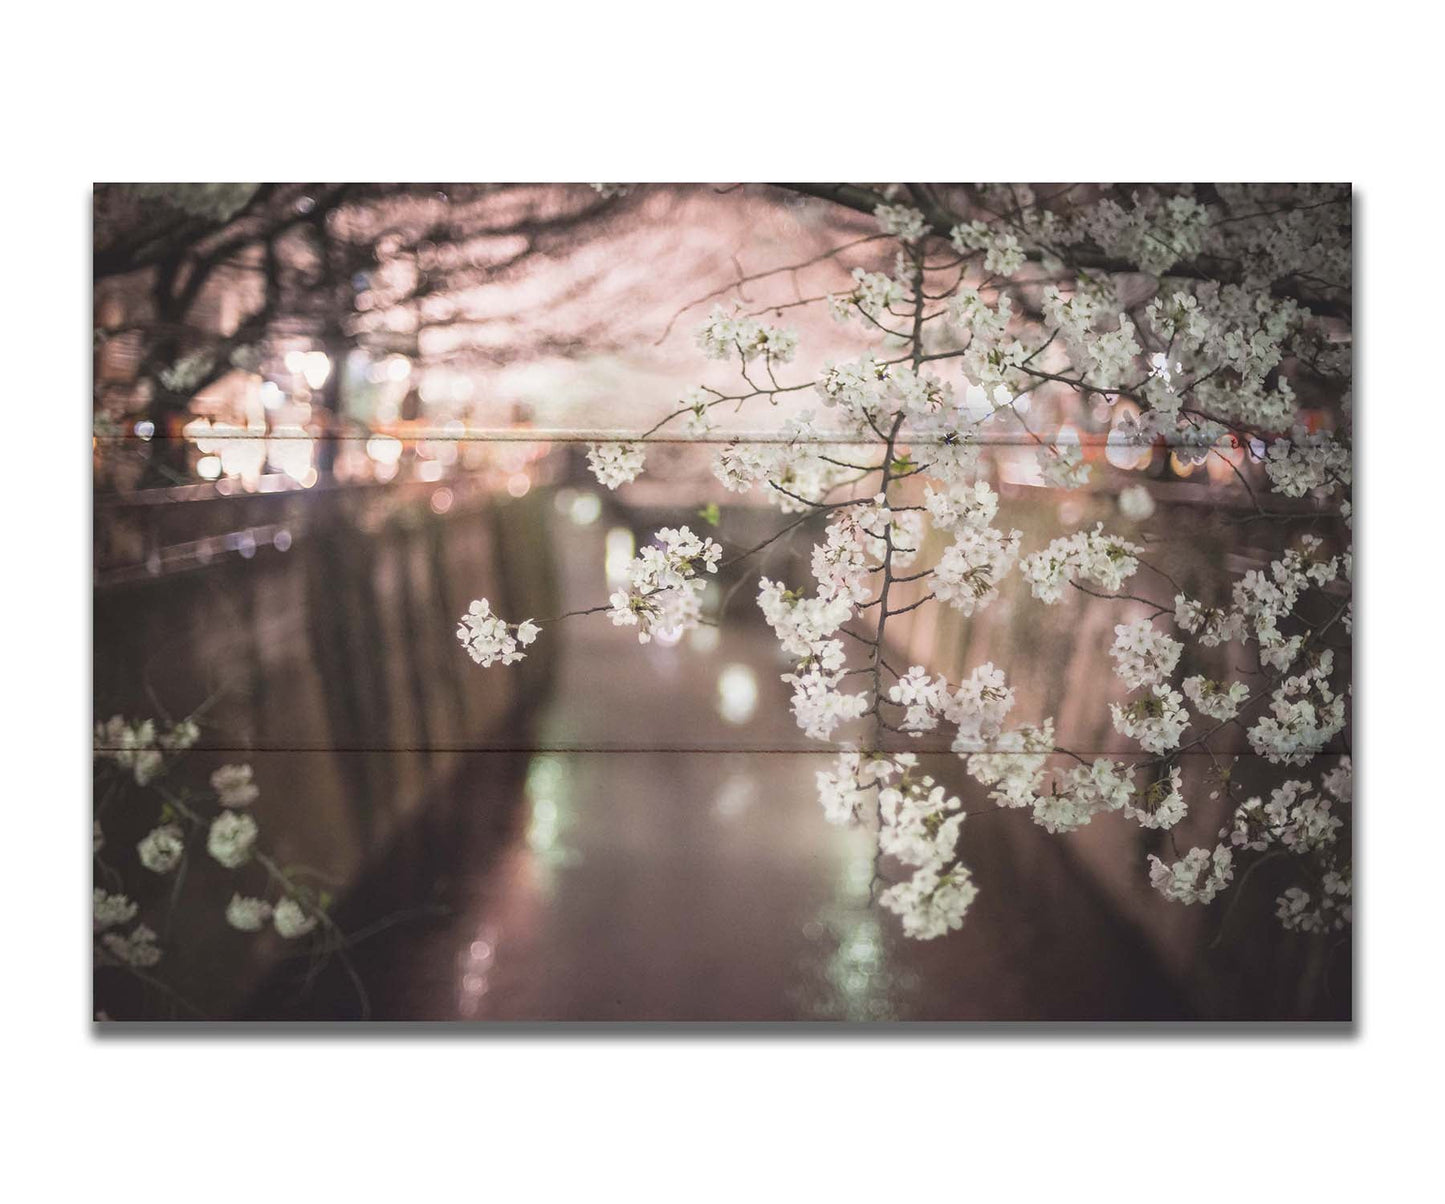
1191 320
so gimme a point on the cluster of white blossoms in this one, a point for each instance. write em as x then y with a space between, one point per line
1211 625
1215 699
1003 254
847 792
977 708
615 464
247 914
1014 764
292 920
1263 600
135 948
663 594
1143 655
1307 461
1156 720
856 544
1303 819
972 567
919 825
1161 803
235 786
1016 767
921 821
109 910
697 404
873 294
795 472
1062 465
922 697
933 901
1329 911
724 335
231 836
288 917
960 504
819 706
162 848
1196 877
865 389
140 747
853 547
1153 230
1049 320
488 638
902 221
1305 714
1103 560
1298 816
985 324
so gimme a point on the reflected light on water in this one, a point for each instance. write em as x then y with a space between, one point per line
704 639
542 831
619 547
475 964
737 693
548 789
738 792
585 509
856 972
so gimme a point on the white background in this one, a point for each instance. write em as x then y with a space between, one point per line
623 92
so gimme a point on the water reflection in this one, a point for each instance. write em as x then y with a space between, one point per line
620 547
548 793
737 694
848 966
736 795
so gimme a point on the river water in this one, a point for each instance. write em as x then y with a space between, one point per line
660 859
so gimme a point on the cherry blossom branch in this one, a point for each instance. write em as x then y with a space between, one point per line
1158 610
756 276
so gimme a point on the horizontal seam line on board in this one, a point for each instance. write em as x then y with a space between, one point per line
840 441
633 748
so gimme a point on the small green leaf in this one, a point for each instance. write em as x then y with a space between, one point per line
710 514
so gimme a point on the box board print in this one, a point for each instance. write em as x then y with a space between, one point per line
796 602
